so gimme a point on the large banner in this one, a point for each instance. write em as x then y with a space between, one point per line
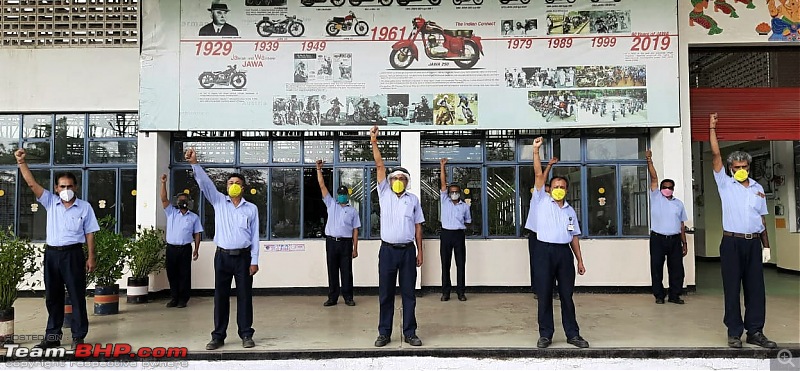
427 64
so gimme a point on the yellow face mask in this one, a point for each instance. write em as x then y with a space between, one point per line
235 190
398 186
740 175
558 194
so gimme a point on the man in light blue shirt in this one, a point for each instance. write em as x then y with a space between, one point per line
744 247
530 225
183 227
557 232
455 217
401 226
236 237
667 236
341 241
71 223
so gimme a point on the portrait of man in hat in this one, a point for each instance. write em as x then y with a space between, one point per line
219 25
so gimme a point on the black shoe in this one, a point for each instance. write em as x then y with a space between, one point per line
759 339
181 304
350 302
543 342
172 304
555 296
734 342
248 342
445 297
214 344
462 297
660 301
382 340
579 342
676 301
413 340
76 341
329 303
47 344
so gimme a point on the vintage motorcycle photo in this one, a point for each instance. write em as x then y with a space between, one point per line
229 77
346 23
476 2
406 2
312 2
459 46
291 25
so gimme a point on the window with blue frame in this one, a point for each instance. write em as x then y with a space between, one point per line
98 148
606 169
279 168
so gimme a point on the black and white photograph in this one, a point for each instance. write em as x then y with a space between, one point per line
231 77
567 23
343 63
610 21
324 67
296 110
541 77
366 110
611 76
332 109
397 109
518 27
612 105
219 25
421 109
554 105
303 63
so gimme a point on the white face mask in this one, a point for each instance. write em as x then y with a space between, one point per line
66 195
455 196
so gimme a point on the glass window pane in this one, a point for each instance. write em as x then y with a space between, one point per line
127 212
567 149
32 215
285 205
8 192
602 198
573 175
9 138
68 140
254 152
220 179
318 150
315 213
375 206
286 151
114 125
256 192
461 150
501 198
102 191
431 203
37 126
37 152
353 179
115 152
526 150
615 148
634 200
500 150
361 150
207 152
471 182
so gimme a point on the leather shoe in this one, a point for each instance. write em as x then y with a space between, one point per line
172 304
660 301
350 303
543 342
734 342
214 344
47 344
413 340
462 297
248 342
329 303
76 341
759 339
382 340
676 301
579 342
445 297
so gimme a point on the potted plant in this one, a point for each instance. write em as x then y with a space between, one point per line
17 262
148 255
112 252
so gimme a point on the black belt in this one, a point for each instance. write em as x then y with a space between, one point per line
664 235
184 245
65 247
398 245
233 252
452 230
746 236
339 238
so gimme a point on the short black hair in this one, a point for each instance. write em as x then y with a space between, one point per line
65 174
558 177
237 175
342 190
666 181
454 185
182 194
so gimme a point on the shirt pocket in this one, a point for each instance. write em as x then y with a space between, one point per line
408 212
242 222
74 224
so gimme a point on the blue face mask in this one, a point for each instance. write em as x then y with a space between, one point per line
342 199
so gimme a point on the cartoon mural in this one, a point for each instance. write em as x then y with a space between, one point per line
784 25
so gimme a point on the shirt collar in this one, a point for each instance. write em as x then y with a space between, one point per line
242 202
74 203
751 183
553 200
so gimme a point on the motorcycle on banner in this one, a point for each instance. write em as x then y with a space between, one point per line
382 2
229 77
476 2
290 25
406 2
459 46
345 23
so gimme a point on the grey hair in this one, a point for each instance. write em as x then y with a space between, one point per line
739 156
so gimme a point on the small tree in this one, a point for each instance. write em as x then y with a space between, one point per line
112 252
148 252
17 262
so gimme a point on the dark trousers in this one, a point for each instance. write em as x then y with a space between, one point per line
531 245
179 271
453 241
236 267
555 262
65 268
391 261
339 255
670 248
741 265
